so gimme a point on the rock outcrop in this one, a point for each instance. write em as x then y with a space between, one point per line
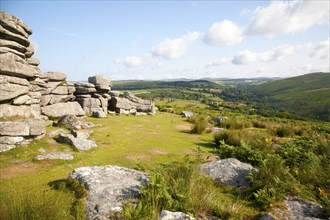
94 95
20 85
108 188
57 89
27 94
228 171
130 104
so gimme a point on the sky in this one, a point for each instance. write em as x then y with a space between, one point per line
153 40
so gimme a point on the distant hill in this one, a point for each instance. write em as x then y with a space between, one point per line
141 85
307 95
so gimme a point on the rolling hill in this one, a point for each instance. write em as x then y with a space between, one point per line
140 84
307 95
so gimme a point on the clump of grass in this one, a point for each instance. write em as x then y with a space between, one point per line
254 138
236 123
283 131
257 123
200 124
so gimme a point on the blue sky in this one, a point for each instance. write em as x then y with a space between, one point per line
177 39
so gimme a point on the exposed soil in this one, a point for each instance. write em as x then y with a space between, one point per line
156 151
138 157
18 167
183 127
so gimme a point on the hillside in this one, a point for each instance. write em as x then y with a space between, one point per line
305 83
307 95
141 84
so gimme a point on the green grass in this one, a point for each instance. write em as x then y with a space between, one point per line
122 140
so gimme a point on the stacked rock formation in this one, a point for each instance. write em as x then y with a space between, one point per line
93 95
58 96
130 104
20 85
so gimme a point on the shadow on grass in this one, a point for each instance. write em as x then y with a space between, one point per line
58 184
209 144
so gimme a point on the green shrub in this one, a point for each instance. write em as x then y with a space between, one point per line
200 124
227 137
283 131
236 123
259 123
243 153
254 138
273 181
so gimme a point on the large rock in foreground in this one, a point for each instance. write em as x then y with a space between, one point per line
61 109
108 188
228 171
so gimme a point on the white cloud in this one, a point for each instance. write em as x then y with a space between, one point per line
276 54
224 33
247 57
131 61
321 51
288 17
219 62
174 48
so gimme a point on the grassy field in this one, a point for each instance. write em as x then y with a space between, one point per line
122 140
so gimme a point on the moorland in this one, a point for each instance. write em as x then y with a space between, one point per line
280 126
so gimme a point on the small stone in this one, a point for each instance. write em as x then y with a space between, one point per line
167 215
55 156
41 150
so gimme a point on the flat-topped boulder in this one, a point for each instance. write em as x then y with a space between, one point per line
55 156
12 87
109 187
84 88
102 83
9 35
13 65
55 76
228 171
61 109
30 127
13 45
